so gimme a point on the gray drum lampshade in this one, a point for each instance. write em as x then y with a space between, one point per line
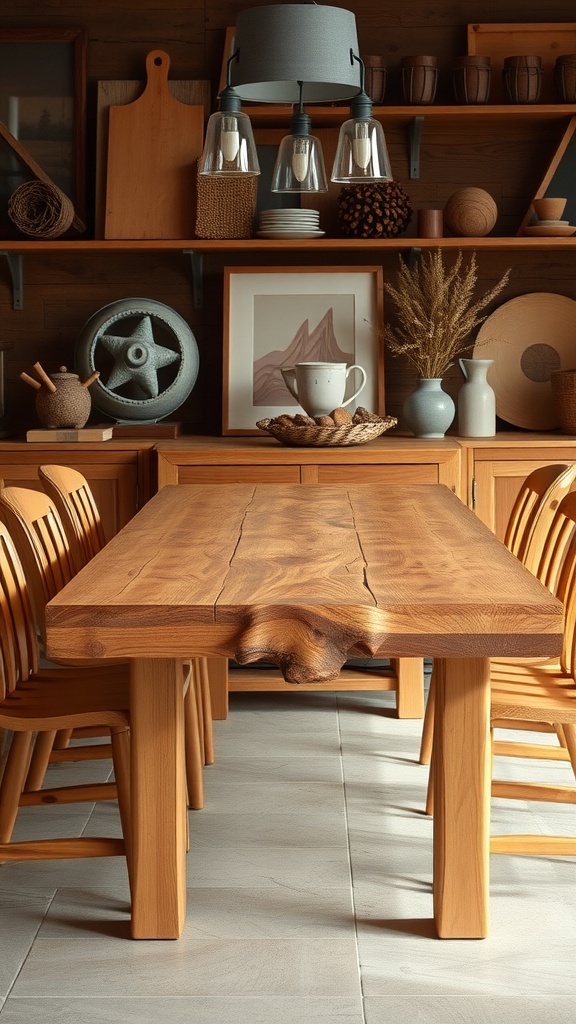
283 44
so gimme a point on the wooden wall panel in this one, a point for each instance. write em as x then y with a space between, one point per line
61 293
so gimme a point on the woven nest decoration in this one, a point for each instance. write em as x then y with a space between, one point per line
381 210
364 426
40 210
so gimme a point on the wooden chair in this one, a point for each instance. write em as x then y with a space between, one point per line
33 700
39 536
75 502
541 691
526 537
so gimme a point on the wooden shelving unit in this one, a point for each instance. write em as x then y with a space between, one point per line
414 119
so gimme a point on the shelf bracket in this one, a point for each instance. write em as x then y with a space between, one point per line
413 257
415 131
197 265
15 264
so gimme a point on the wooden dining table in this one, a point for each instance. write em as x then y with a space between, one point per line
306 577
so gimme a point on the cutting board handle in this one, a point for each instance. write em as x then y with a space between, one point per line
157 67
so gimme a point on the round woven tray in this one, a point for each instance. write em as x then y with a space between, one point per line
324 437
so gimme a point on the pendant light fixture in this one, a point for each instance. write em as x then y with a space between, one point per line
299 165
283 45
229 146
296 53
361 153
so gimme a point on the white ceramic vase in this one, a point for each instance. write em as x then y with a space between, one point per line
429 411
476 400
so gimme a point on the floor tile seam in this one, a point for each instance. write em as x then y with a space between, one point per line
351 873
304 999
28 950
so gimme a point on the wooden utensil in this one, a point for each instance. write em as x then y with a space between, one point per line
153 145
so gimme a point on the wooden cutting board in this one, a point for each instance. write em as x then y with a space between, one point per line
153 145
121 91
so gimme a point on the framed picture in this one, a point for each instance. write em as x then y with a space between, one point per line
278 316
43 104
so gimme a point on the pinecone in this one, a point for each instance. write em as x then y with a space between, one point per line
379 210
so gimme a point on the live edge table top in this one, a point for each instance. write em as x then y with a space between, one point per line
306 577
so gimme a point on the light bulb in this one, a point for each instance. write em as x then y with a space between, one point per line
361 144
229 138
300 157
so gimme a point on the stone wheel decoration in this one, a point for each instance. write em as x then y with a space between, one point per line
147 357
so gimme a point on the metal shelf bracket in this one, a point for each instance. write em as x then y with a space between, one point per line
414 133
15 265
197 266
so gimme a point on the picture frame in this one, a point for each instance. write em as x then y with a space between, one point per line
276 316
43 105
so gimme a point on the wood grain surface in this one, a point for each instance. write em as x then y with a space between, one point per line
116 93
305 577
153 145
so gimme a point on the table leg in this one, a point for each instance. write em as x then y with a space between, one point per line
218 678
158 799
410 692
462 773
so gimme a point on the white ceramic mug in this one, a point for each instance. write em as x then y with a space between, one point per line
320 387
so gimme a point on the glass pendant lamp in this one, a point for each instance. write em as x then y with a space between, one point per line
229 146
361 153
299 165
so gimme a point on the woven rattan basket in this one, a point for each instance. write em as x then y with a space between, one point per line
226 205
325 437
564 398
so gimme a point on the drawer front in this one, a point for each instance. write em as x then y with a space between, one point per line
238 474
406 474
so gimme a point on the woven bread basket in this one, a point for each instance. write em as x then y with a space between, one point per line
325 437
564 398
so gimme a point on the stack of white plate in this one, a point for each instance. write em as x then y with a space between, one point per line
292 223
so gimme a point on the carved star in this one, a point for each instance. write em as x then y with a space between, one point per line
137 358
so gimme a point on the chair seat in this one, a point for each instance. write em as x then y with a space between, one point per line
532 691
61 700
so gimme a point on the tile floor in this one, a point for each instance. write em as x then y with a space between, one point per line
309 894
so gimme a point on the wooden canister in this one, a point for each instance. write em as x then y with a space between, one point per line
419 79
430 223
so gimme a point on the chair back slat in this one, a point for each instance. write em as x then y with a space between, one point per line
41 543
18 643
541 547
560 556
527 505
71 493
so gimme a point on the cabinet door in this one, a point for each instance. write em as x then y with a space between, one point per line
496 484
114 481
